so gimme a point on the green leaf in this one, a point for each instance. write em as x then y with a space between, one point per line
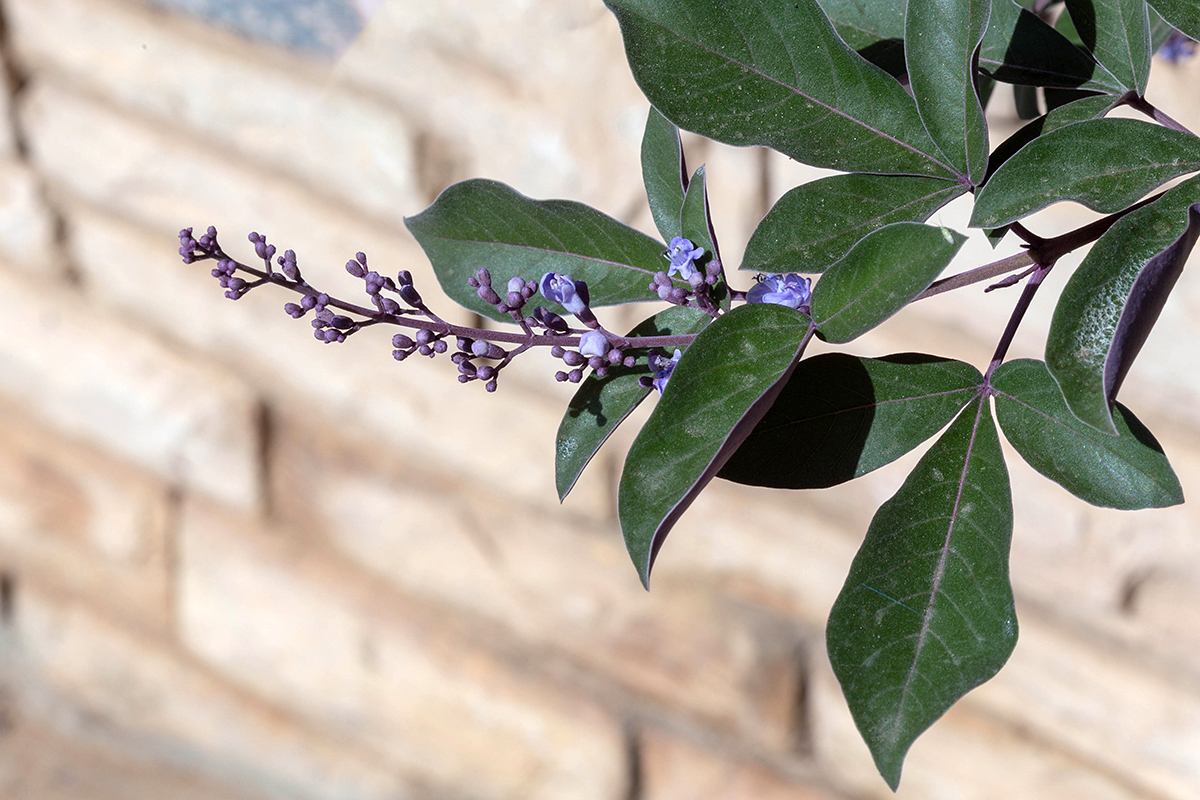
1183 14
1114 297
481 223
601 404
718 392
840 416
1117 33
694 219
1161 30
664 172
1127 471
696 222
774 74
927 613
942 37
879 276
875 30
1081 110
1105 164
1020 48
816 223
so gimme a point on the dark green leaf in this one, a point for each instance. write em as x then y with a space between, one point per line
840 416
879 276
1126 471
717 394
696 222
1161 30
1183 14
601 404
817 223
1117 33
927 613
1114 298
1093 107
1020 48
776 75
664 172
694 219
480 223
875 30
942 37
1105 164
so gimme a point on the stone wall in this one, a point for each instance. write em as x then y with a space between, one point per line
235 563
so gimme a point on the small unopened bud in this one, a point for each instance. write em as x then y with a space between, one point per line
424 336
516 284
410 294
560 376
572 359
400 340
484 277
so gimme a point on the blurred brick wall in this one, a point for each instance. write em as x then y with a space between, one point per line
238 564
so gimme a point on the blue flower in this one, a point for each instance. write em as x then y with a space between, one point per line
682 254
662 368
593 343
566 291
1178 47
789 290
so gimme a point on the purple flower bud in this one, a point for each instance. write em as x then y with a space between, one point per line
410 295
389 306
572 359
682 254
483 276
404 278
556 351
490 386
400 340
662 369
361 258
440 346
294 311
342 323
593 343
789 290
355 269
560 376
516 284
479 348
486 373
309 302
575 375
399 355
487 294
564 290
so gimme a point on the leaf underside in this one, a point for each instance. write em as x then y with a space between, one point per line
664 173
1114 297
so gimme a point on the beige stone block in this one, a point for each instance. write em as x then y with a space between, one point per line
89 678
89 375
84 522
38 762
290 625
538 97
278 111
28 239
553 580
1105 707
676 770
964 755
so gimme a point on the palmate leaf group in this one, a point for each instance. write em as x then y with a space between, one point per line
892 93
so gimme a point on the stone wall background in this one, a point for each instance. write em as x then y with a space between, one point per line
237 564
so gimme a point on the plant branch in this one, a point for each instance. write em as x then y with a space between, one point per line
1143 105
